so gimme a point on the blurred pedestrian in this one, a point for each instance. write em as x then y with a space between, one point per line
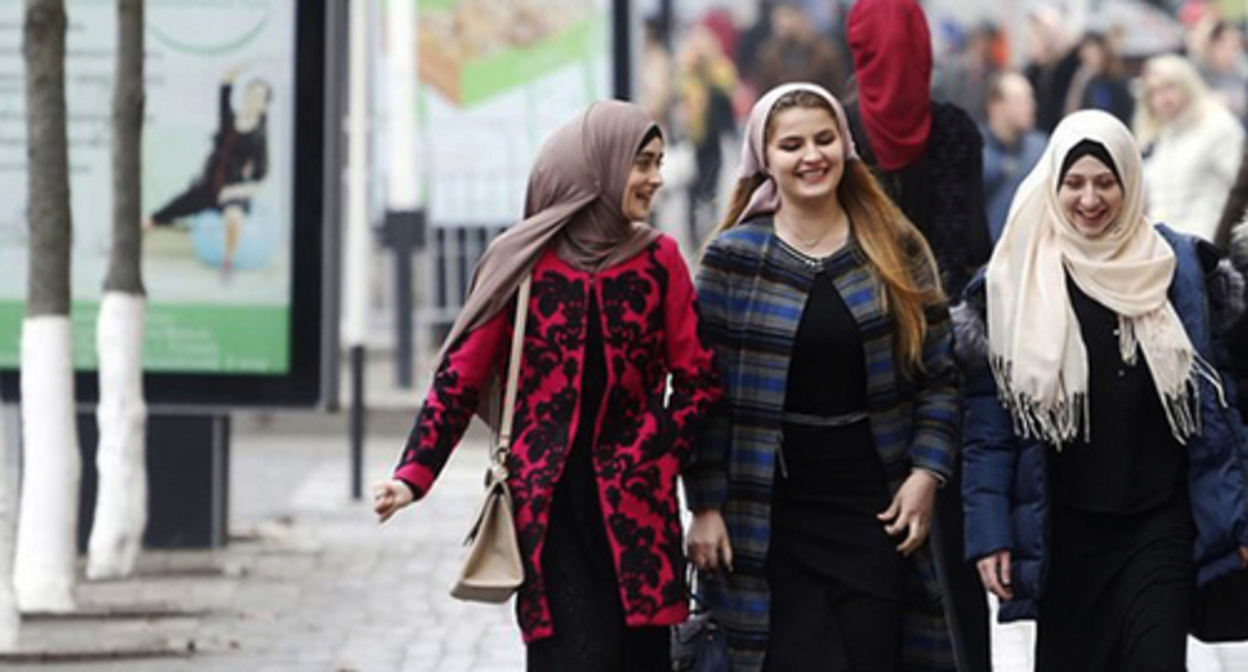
656 82
1012 146
1097 442
705 89
1192 147
927 154
1099 82
611 316
929 157
1051 64
1224 66
1235 212
813 489
1232 238
751 41
1237 340
797 52
964 77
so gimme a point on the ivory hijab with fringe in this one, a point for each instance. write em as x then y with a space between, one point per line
1036 348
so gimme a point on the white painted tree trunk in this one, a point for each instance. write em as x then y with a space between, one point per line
121 503
47 524
9 619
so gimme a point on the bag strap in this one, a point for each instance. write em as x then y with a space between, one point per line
513 372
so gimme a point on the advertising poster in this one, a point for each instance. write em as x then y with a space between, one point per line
496 78
218 181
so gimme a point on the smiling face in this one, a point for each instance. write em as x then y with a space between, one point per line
805 154
644 181
1090 196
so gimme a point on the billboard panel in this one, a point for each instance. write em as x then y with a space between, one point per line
231 181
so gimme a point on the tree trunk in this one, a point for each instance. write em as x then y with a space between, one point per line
121 507
48 518
9 620
125 270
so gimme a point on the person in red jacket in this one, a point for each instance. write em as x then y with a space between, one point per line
598 441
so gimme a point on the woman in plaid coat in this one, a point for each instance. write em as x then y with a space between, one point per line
813 489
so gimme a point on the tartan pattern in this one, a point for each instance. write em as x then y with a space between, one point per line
752 290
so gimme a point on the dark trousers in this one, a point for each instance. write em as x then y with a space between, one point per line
822 625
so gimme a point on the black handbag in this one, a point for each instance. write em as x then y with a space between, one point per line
1221 613
699 644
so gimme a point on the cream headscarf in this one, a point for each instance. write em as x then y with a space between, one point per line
1037 350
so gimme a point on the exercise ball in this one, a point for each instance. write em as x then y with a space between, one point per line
258 238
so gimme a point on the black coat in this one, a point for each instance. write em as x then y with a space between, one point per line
942 192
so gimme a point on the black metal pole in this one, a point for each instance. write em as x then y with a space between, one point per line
335 152
667 24
357 422
403 318
621 42
404 231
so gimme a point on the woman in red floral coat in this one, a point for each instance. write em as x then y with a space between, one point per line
599 442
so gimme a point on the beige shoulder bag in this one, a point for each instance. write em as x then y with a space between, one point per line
494 570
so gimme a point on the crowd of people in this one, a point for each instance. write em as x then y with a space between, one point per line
957 330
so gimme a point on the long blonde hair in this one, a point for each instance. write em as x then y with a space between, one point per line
1176 70
895 251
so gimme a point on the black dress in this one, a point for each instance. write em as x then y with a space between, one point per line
1119 591
581 585
836 578
236 157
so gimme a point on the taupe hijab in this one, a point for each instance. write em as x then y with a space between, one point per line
574 201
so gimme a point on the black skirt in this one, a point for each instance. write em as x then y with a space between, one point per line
827 496
836 578
1119 591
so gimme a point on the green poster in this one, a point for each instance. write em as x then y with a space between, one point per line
217 181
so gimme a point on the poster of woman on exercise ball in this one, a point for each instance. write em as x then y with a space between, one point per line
218 184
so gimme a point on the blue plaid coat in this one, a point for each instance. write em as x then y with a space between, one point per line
752 290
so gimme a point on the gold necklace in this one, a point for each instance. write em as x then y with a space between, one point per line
807 242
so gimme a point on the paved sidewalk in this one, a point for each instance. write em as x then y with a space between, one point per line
312 584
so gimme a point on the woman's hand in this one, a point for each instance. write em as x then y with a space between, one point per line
1243 556
389 497
994 573
912 510
708 546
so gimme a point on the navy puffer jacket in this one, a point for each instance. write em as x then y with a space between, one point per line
1004 479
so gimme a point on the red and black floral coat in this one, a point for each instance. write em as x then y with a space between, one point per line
643 436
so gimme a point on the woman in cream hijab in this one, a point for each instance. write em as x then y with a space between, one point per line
1102 471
